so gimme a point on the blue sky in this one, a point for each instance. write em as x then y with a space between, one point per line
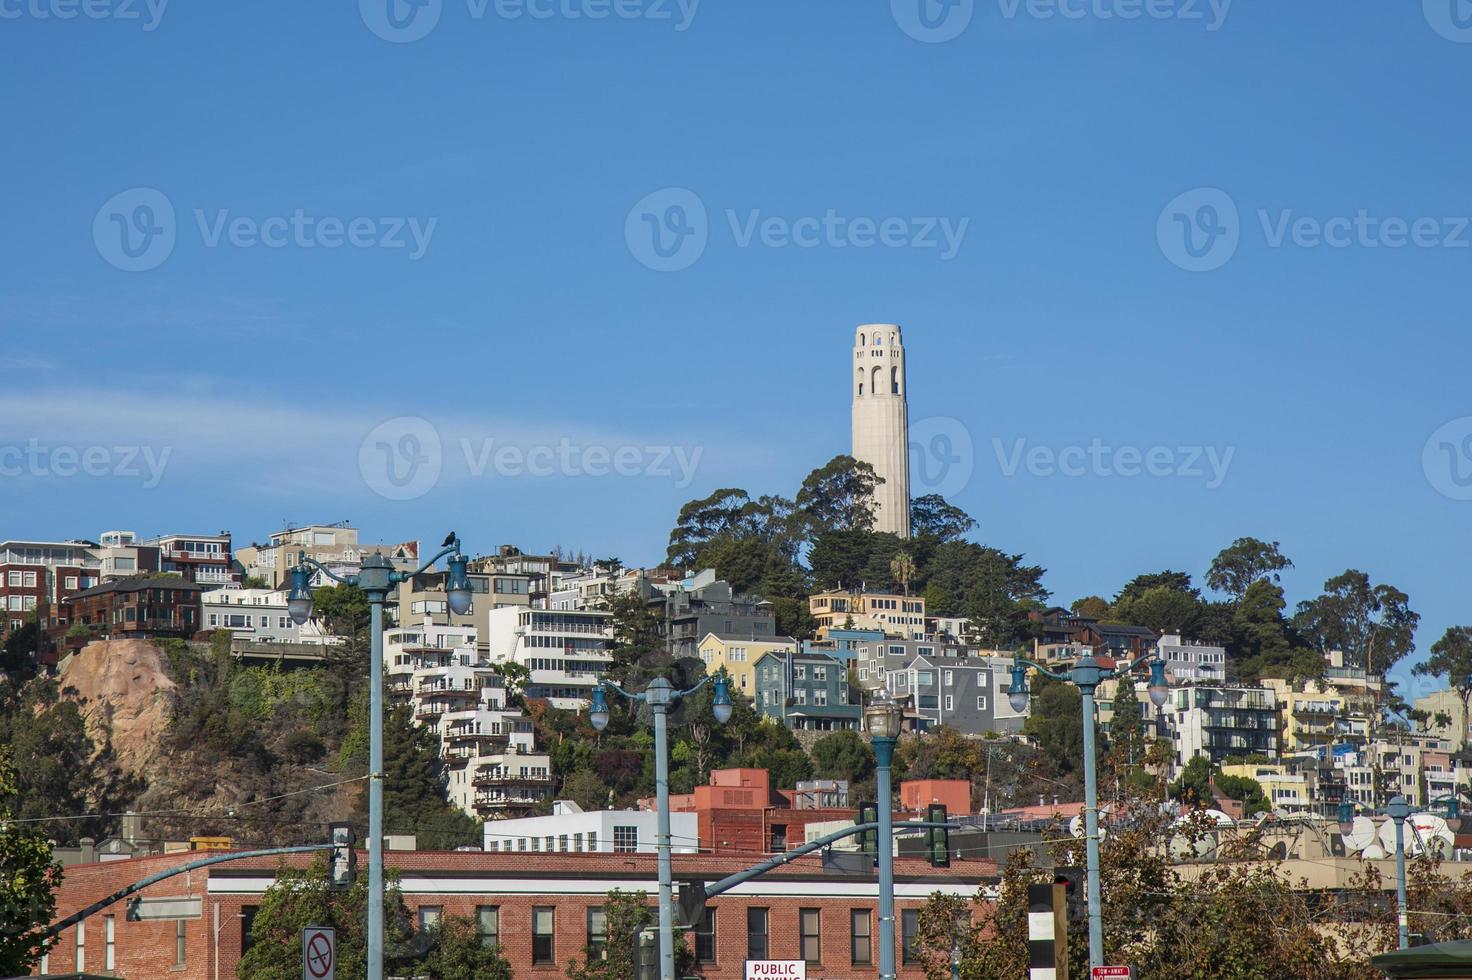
1068 156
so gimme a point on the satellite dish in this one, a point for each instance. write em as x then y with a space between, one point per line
1424 833
1373 852
1360 836
1077 828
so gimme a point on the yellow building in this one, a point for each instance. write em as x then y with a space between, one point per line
897 615
1283 791
739 654
1318 716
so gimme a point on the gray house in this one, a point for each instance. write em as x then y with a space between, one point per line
806 691
967 694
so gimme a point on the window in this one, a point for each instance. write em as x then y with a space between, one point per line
71 581
800 672
625 839
110 941
30 580
809 923
981 702
756 933
562 843
705 937
15 579
430 916
950 678
597 933
909 929
862 938
820 697
181 948
950 703
487 924
81 938
544 949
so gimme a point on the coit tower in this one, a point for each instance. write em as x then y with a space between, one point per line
881 421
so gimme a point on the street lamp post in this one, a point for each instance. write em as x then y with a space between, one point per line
660 695
376 578
882 718
1086 675
1399 809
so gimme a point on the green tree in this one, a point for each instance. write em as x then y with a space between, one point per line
302 897
1451 660
585 789
1372 624
932 518
343 610
457 953
414 783
1127 726
1243 562
843 755
1056 721
1162 609
1194 783
28 882
1248 791
902 567
1092 606
18 653
838 496
626 914
1140 584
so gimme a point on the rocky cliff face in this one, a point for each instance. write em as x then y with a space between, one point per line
125 695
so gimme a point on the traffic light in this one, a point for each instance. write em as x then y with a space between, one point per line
938 839
869 839
342 869
1072 880
692 903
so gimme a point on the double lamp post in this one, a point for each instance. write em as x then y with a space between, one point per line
376 577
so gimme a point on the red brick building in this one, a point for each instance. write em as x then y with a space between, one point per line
542 911
42 574
133 608
740 813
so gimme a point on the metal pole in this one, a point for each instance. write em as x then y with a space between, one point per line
1400 875
883 756
662 841
375 789
1091 831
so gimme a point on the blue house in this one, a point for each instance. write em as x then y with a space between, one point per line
806 691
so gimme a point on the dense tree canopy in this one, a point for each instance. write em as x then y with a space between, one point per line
1372 624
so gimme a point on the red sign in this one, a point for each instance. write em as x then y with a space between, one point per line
1112 973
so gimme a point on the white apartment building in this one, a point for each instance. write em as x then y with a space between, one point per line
566 650
1218 721
259 616
569 829
488 746
1189 662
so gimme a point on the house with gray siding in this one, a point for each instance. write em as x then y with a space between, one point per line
807 691
964 688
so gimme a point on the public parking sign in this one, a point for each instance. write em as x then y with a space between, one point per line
319 953
776 970
1112 973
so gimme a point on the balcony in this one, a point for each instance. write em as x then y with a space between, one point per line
503 800
431 710
463 733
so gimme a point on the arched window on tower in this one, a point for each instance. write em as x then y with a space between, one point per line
894 380
891 340
863 340
861 382
876 380
878 340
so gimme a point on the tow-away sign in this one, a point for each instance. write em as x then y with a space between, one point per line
1112 973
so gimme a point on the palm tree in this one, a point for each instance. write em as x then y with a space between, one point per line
902 567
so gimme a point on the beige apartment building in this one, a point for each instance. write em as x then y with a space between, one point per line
898 616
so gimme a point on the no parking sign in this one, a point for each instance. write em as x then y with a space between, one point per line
319 953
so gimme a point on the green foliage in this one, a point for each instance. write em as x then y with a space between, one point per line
1245 562
1372 624
1092 606
28 882
586 789
456 953
343 610
932 518
1248 791
843 755
414 783
1162 609
1056 721
1193 786
18 653
302 897
838 496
